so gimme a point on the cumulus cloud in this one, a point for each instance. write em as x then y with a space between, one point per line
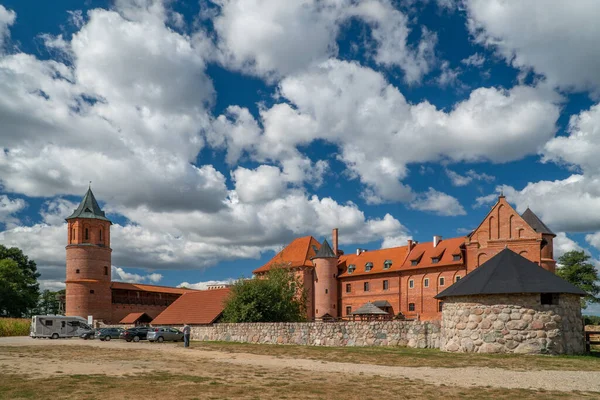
470 176
272 38
7 18
119 274
204 285
438 203
556 39
9 207
474 60
563 244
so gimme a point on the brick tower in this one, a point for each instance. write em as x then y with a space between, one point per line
89 262
326 284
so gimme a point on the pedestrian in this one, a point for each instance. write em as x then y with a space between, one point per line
186 335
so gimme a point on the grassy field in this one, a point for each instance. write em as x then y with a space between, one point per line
14 326
43 372
408 357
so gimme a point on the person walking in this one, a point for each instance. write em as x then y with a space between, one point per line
186 335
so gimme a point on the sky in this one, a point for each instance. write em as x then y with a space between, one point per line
215 132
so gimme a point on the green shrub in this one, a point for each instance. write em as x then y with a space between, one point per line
14 326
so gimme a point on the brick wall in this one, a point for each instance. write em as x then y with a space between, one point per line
378 333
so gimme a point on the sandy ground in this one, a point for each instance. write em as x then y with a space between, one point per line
464 377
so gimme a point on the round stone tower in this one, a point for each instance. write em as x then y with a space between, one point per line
88 280
326 285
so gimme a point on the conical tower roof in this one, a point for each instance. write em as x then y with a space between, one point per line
88 208
325 251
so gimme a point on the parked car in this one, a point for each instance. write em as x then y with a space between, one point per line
109 333
135 334
89 334
165 333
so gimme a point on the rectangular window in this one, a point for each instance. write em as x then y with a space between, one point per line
549 298
414 263
435 260
456 257
366 286
440 306
326 291
386 285
442 281
348 287
457 278
426 282
411 284
48 322
348 310
411 306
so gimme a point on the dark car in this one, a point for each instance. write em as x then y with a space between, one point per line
109 333
135 334
89 334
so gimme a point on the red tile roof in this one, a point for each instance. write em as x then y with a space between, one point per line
378 257
200 307
296 254
149 288
133 317
445 250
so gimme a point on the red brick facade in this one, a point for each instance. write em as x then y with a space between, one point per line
405 279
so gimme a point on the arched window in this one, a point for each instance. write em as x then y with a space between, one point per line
73 235
105 270
100 234
87 237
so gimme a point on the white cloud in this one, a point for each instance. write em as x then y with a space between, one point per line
261 184
470 176
52 285
272 38
7 18
119 274
448 76
474 60
438 203
593 239
8 207
563 244
204 285
555 38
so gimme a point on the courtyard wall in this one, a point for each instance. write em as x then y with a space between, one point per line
417 334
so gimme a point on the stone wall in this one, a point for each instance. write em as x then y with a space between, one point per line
493 324
377 333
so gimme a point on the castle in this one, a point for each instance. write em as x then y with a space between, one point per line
406 279
89 288
396 280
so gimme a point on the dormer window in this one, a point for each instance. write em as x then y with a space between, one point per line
387 264
435 260
87 210
456 257
368 266
414 263
351 268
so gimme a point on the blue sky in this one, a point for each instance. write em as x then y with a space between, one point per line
215 132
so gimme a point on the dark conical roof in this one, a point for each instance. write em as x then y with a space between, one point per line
325 251
88 208
508 272
536 223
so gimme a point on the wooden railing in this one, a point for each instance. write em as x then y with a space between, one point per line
591 338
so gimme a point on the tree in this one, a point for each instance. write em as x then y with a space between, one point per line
49 302
19 290
575 268
278 297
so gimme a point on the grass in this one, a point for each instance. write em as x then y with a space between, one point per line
409 357
14 326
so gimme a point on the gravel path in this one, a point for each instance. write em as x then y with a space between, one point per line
465 377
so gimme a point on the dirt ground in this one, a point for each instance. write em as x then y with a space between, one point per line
29 359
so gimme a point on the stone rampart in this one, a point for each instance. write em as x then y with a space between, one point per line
419 334
495 324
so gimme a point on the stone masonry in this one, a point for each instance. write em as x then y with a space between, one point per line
494 324
418 334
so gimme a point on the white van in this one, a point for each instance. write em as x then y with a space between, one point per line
57 326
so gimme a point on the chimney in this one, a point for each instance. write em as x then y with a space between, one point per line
410 244
358 251
334 235
436 240
362 250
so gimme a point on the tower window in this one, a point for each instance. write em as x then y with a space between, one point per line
86 234
72 235
92 291
76 271
100 234
105 270
348 287
386 284
411 306
326 291
366 286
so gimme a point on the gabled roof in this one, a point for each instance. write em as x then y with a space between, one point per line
536 223
201 307
296 254
325 251
132 318
508 272
149 288
445 251
378 257
369 309
88 208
